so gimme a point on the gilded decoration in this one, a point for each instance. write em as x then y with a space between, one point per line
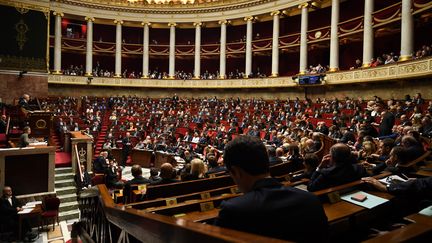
21 29
144 7
412 69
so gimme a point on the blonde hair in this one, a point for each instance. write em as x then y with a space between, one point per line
198 168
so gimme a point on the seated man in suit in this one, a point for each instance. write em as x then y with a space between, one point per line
273 159
167 173
267 207
138 179
111 176
100 164
413 148
336 168
83 180
9 208
214 166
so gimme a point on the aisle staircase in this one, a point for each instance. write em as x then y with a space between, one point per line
100 140
56 140
66 191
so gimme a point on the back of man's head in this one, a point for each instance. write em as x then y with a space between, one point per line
154 171
166 171
211 159
340 154
136 170
247 153
279 152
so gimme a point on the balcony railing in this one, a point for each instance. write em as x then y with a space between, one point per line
401 70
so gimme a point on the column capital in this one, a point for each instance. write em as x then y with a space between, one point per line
146 23
89 19
310 4
250 18
117 21
172 24
197 24
58 14
224 21
277 12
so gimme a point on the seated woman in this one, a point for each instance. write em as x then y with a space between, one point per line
197 170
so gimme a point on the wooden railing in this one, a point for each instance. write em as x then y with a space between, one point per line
106 221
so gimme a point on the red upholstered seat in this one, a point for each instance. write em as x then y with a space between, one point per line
51 210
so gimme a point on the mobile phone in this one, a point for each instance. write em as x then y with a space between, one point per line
359 197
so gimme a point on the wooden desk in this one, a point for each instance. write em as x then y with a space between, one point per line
142 157
36 212
419 231
28 170
198 216
162 158
340 210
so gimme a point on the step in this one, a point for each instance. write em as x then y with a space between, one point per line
65 190
68 206
67 198
69 215
64 183
64 176
63 170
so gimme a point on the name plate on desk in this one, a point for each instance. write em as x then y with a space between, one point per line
334 197
234 190
205 195
171 201
207 206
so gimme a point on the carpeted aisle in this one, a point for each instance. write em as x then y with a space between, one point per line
63 159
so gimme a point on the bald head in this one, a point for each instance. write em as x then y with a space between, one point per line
166 171
7 191
340 153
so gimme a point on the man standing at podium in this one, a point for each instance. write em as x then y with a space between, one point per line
127 146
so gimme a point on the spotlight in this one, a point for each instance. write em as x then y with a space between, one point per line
89 79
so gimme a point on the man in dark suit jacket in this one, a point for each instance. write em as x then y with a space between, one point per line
100 164
336 168
127 147
3 124
167 174
387 123
266 204
9 208
138 179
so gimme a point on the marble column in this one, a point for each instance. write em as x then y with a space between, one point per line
248 67
57 43
368 33
118 59
89 48
407 31
275 44
303 37
171 72
145 71
334 38
197 66
222 52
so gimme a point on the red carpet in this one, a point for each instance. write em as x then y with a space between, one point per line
63 159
